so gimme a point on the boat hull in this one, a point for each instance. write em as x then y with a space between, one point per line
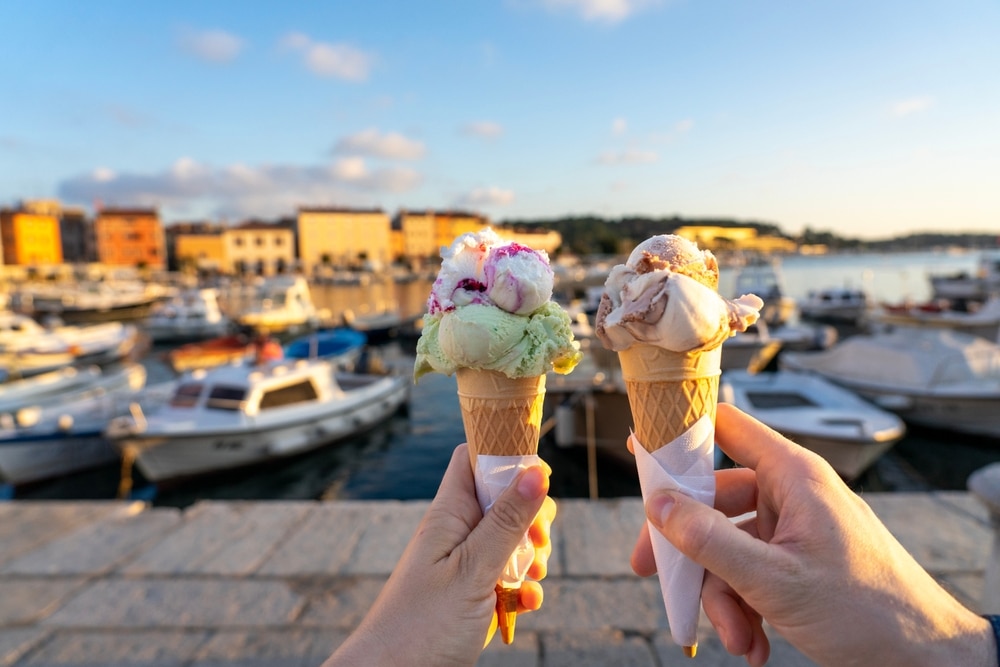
34 458
167 457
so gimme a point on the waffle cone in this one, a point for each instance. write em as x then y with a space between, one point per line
669 391
502 416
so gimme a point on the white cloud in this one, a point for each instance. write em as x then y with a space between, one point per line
372 143
238 190
628 156
484 128
489 196
216 46
619 126
684 126
608 11
911 105
339 61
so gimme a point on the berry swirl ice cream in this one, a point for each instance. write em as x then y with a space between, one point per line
490 309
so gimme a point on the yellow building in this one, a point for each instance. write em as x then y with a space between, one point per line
450 224
204 251
343 237
30 238
258 248
735 238
130 237
417 233
549 240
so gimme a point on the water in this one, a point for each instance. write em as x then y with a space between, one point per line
405 457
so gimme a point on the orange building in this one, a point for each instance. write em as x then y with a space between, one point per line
130 237
30 237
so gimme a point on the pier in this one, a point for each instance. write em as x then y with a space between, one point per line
276 583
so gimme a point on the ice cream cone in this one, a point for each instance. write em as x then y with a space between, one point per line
669 391
502 416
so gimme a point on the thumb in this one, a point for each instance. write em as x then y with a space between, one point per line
707 537
503 526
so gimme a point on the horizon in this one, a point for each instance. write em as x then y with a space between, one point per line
869 122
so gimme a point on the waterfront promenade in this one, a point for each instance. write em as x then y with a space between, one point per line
269 584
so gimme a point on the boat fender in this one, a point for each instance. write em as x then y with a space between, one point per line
65 422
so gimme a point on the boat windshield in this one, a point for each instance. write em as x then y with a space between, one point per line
226 397
187 395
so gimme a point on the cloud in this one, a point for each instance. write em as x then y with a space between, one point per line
338 61
481 197
911 106
628 156
372 143
484 128
240 191
619 126
684 126
606 11
214 46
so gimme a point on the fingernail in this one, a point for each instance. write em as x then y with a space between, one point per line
658 508
533 483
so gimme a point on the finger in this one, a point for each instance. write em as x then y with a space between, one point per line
530 597
722 607
707 537
735 491
642 561
491 543
541 528
745 440
457 492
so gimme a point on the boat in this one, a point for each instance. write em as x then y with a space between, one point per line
40 442
280 303
975 287
752 350
18 392
383 324
191 314
90 301
101 343
762 276
835 304
982 321
244 414
847 431
209 353
340 345
935 378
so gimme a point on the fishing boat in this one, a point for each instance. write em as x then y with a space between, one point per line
209 353
91 301
191 314
763 277
847 431
244 414
23 338
977 286
936 378
67 435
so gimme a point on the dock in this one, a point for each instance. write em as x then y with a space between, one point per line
279 583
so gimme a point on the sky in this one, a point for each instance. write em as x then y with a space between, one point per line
868 118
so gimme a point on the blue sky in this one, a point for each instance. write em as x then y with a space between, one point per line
866 117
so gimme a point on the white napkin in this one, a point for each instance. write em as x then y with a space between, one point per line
687 464
493 475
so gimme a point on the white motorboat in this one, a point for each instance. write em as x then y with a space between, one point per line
20 392
750 350
242 414
930 377
90 301
835 304
847 431
983 321
191 314
978 286
106 342
763 277
66 435
279 303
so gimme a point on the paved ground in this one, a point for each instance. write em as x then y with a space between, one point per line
265 584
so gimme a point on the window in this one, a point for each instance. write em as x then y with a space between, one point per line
226 397
187 395
301 392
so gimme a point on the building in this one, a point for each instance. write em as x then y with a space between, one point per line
258 248
204 250
77 234
30 235
130 237
450 224
343 237
735 238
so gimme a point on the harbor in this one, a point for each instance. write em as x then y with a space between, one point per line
269 584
